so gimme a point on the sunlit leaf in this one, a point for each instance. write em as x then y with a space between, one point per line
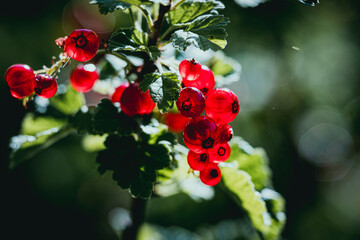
25 147
132 40
109 6
239 183
67 100
163 88
191 9
205 32
252 160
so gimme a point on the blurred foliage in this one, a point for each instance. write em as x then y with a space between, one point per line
299 70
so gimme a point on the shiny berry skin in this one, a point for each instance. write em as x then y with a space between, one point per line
220 153
222 105
211 174
116 96
226 133
21 80
191 102
175 121
200 134
189 69
198 161
205 82
45 85
134 102
83 77
81 45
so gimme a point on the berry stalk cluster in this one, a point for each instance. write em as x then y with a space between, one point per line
207 135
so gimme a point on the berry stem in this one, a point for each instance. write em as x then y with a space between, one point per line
137 211
58 65
40 71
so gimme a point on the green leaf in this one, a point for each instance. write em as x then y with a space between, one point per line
25 147
37 133
32 124
163 88
206 32
134 162
83 120
275 205
109 6
133 40
158 156
141 189
108 119
93 143
239 184
191 9
254 161
67 100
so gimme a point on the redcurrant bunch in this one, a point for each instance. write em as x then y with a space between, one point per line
23 82
206 136
81 45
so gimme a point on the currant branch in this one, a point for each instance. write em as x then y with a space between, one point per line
149 65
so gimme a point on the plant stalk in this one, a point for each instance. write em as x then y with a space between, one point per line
138 207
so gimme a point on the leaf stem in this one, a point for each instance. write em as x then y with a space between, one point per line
117 54
147 17
178 3
170 29
132 18
122 56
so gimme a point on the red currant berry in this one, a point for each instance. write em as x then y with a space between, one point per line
220 153
191 102
116 96
175 121
222 105
189 69
45 85
200 134
197 161
21 80
211 174
226 133
134 102
81 45
83 77
205 82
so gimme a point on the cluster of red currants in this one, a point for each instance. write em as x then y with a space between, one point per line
206 135
81 45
